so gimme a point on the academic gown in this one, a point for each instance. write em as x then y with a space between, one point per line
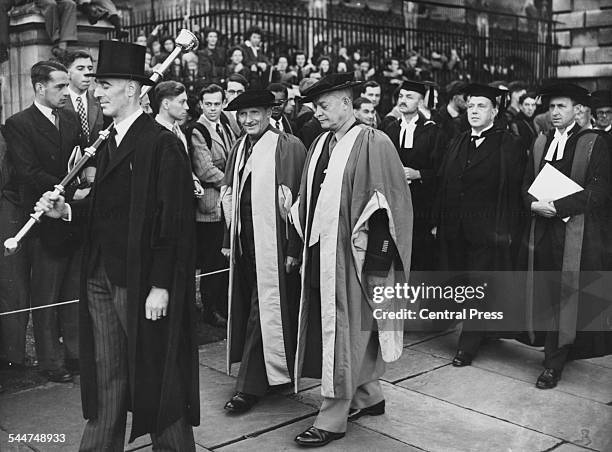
150 169
429 142
479 217
559 245
362 178
257 194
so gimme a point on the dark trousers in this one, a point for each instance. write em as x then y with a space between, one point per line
252 376
107 306
212 288
14 286
555 357
54 279
5 5
60 19
464 255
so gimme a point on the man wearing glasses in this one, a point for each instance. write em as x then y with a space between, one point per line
602 104
236 85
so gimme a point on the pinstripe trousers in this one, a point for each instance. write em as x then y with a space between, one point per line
108 310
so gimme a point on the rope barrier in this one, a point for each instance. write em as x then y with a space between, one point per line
77 300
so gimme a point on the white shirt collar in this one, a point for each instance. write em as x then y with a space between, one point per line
479 134
607 129
412 121
163 122
124 125
48 112
566 131
74 95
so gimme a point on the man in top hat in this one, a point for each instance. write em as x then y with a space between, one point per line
602 107
565 239
478 205
137 343
262 179
355 215
420 144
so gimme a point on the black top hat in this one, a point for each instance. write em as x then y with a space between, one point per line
574 92
601 98
329 83
253 99
121 60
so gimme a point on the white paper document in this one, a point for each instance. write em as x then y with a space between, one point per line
551 184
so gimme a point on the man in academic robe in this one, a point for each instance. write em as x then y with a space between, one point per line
420 145
602 108
355 215
137 343
478 206
261 181
564 249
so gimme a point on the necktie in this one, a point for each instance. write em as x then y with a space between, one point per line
82 117
55 114
112 143
221 134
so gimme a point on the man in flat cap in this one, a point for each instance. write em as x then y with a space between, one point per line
420 144
137 341
355 215
478 205
262 179
565 249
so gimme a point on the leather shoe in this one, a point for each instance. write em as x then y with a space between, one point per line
241 402
60 375
462 359
372 410
315 437
548 379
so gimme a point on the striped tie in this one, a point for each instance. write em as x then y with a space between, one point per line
82 117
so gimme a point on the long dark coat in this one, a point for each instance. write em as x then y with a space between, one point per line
162 355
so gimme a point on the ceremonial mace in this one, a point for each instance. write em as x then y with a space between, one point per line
185 41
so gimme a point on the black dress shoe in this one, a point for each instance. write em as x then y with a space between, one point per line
548 379
373 410
241 402
315 437
60 375
462 359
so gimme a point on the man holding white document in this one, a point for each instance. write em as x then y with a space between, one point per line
566 187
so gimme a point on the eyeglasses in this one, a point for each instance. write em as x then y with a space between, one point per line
603 113
234 91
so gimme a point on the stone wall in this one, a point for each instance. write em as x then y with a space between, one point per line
30 43
586 39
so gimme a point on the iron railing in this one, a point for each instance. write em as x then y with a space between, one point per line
489 45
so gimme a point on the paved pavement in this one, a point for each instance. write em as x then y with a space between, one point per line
431 406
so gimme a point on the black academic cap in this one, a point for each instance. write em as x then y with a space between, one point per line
577 93
601 98
490 92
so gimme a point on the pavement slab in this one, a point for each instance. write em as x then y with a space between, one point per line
412 363
218 428
431 424
582 378
357 438
567 447
552 412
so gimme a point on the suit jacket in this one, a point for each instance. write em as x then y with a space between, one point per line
40 153
287 128
95 118
209 166
233 123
